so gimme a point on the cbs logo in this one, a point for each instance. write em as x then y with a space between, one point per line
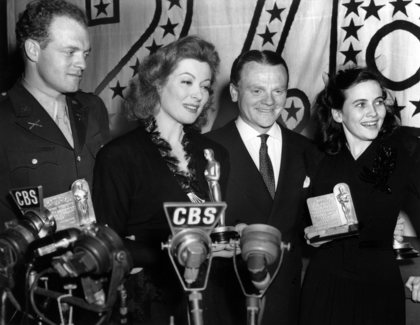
194 216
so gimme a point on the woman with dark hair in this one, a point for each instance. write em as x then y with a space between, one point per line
356 280
160 161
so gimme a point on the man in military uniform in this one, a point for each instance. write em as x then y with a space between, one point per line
50 131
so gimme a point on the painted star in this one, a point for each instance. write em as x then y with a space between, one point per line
267 36
135 67
397 108
292 111
169 28
399 5
154 47
351 30
417 104
350 54
372 9
275 12
352 6
174 3
118 90
101 7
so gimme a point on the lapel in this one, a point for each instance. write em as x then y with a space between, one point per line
244 175
31 116
290 181
78 115
284 164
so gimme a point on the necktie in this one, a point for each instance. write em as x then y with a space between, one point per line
63 123
266 168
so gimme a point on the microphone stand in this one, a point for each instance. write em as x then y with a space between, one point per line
195 307
252 309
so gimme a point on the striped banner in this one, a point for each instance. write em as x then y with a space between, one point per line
315 37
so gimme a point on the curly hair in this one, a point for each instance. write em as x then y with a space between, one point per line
143 97
331 133
35 21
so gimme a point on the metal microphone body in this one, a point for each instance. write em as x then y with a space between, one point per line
260 247
191 247
257 267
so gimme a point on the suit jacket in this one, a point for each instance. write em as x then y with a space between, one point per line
248 201
33 151
131 183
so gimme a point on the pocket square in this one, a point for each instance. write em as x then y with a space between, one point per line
307 182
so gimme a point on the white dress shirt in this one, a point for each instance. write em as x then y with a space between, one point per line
250 137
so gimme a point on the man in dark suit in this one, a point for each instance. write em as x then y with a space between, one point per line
50 131
258 84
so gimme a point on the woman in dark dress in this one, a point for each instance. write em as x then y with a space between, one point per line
160 161
356 280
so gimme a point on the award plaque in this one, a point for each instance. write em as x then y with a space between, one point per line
333 215
72 209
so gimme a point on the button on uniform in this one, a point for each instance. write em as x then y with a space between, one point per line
34 161
78 158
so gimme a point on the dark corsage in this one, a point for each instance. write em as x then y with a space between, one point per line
382 168
187 180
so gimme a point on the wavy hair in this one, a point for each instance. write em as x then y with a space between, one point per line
143 96
330 133
262 57
35 20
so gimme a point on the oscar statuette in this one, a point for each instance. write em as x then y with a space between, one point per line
222 234
403 250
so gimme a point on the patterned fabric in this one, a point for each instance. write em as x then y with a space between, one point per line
187 180
266 167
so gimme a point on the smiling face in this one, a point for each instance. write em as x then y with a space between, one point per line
186 92
261 94
363 113
59 65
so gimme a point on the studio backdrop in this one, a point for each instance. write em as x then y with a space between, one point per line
315 37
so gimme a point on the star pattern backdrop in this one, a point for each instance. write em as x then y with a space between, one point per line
315 37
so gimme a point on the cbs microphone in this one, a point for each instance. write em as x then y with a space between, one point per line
191 248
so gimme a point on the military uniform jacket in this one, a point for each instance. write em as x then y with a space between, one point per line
33 151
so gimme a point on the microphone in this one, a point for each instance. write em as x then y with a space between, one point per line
257 267
94 251
260 247
191 247
59 240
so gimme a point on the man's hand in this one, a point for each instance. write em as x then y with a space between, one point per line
230 249
225 250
